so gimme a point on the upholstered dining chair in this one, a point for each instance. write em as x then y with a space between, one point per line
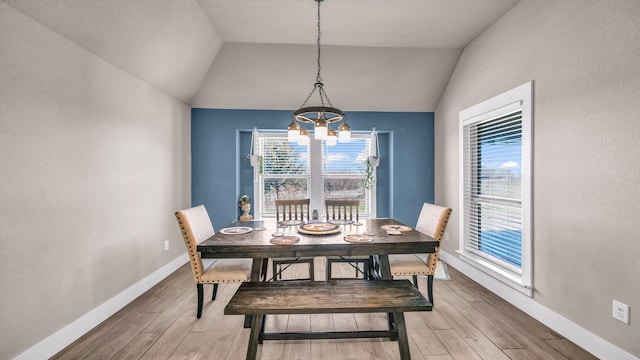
292 210
346 210
196 227
432 221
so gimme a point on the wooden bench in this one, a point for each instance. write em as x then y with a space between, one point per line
394 297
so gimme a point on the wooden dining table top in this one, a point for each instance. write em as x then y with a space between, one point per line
257 243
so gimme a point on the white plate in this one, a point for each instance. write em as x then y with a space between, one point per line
396 228
358 238
236 230
290 223
319 229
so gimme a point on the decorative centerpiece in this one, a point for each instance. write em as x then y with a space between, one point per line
245 205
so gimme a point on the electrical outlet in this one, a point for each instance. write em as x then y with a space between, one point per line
620 311
166 245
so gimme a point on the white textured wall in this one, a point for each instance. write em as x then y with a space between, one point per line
584 57
93 162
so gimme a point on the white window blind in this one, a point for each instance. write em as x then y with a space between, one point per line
343 171
285 171
495 187
493 162
314 170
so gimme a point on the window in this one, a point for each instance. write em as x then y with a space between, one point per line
284 172
496 187
292 171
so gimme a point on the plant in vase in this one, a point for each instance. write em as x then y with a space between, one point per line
245 205
369 172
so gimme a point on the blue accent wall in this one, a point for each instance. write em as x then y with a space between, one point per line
221 173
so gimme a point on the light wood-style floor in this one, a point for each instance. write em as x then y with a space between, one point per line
468 322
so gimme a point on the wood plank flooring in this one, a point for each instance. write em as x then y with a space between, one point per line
468 322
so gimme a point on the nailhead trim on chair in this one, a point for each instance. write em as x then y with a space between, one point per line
196 263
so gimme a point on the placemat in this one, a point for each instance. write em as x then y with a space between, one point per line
285 240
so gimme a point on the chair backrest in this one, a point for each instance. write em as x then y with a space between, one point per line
433 221
195 227
292 209
342 209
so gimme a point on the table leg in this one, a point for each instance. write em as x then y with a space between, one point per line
385 274
256 268
403 341
256 326
385 268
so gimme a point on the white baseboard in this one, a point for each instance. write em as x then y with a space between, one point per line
577 334
70 333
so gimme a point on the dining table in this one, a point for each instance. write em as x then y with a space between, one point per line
259 243
261 240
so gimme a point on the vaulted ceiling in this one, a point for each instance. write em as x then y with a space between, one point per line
377 55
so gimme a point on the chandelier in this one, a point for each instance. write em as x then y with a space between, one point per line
321 116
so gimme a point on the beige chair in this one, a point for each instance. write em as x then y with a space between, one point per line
292 210
346 210
432 221
196 227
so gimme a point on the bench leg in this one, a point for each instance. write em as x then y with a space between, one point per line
264 320
403 341
256 326
393 328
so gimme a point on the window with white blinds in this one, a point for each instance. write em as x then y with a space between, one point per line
492 189
496 170
314 170
284 172
343 171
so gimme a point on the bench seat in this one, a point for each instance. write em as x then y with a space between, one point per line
324 297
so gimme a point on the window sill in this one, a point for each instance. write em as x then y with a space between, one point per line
496 272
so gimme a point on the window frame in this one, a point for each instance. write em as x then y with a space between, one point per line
520 98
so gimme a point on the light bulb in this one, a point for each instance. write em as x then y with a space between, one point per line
303 138
320 129
293 131
332 138
344 132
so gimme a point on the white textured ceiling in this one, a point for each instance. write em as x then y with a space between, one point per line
378 55
374 23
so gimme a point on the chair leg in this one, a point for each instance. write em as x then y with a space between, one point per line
274 276
215 292
200 295
265 266
328 270
415 281
370 268
430 288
